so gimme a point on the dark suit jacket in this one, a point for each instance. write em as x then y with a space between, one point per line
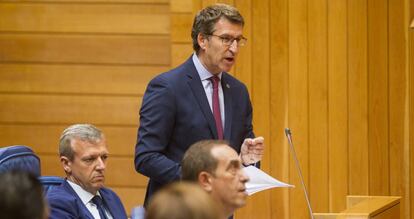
175 113
64 203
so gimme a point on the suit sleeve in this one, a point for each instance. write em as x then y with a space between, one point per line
62 209
249 116
157 118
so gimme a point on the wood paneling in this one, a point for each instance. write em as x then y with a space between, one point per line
85 18
180 52
378 129
85 49
76 79
410 152
182 23
260 21
276 144
298 103
57 109
81 61
184 6
358 97
318 105
337 98
398 110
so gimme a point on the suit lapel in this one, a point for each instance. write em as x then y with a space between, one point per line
109 203
200 95
83 211
228 109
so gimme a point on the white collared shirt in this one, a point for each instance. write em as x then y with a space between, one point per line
86 198
205 76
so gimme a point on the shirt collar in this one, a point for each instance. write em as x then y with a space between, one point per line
201 70
84 195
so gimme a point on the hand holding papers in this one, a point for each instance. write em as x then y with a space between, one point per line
260 181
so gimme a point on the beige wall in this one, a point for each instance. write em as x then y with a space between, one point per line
338 73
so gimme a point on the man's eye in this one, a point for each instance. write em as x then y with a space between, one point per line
233 171
89 160
227 39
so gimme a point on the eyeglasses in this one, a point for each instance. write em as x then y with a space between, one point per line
228 40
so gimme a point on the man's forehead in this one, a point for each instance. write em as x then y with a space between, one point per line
79 145
225 26
224 153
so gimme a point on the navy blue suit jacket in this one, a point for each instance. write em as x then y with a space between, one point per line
175 113
64 203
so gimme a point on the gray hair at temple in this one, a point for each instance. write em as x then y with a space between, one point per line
83 132
205 20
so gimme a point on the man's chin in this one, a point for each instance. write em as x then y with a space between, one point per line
98 184
241 203
226 67
242 200
98 179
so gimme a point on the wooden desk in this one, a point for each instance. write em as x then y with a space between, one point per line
367 207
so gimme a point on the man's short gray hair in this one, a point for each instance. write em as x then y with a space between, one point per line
83 132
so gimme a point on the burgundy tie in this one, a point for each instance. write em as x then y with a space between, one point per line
216 107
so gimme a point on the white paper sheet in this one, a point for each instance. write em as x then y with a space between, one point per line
260 181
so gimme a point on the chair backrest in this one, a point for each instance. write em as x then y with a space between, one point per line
19 157
49 182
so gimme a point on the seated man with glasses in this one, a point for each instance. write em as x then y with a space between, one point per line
198 100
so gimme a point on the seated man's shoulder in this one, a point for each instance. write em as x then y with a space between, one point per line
62 204
107 192
60 193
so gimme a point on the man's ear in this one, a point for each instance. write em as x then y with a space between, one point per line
67 164
202 41
205 180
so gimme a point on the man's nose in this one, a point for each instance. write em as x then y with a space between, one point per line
234 46
244 177
101 165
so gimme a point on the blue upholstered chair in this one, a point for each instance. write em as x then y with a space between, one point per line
49 182
19 157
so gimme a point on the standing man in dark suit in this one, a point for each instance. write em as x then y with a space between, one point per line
197 100
83 154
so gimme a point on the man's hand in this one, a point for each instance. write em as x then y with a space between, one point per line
252 150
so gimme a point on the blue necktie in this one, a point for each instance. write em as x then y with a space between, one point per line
97 200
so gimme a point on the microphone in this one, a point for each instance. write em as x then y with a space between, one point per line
292 149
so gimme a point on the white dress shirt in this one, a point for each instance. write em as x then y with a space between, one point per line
86 198
205 76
